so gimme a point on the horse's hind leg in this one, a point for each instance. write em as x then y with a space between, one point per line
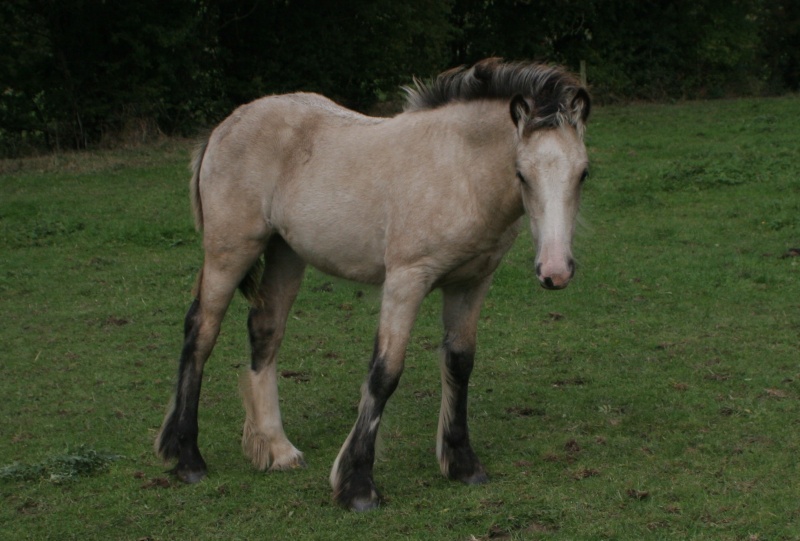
461 310
221 274
263 438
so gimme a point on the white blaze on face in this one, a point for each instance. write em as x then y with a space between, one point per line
552 164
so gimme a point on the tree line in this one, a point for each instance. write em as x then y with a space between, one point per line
77 73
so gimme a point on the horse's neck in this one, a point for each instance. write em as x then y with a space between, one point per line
488 120
484 134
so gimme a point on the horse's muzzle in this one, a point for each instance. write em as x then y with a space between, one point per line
556 278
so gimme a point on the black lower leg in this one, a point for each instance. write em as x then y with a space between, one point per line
462 463
178 437
357 488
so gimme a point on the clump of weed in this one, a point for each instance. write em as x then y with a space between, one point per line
75 463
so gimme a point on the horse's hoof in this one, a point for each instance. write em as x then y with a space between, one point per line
469 471
477 478
189 476
192 477
294 463
365 504
363 498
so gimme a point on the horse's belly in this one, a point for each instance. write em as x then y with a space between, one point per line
352 266
339 251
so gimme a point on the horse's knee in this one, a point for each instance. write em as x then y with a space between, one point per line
166 443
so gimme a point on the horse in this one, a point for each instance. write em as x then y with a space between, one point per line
431 198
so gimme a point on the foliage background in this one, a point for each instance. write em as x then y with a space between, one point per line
83 73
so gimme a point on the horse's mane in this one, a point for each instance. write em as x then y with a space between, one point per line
558 97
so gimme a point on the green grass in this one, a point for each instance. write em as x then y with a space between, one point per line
658 397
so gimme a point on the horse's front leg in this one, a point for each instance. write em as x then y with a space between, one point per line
462 307
351 477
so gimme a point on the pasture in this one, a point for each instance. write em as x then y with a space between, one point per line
658 397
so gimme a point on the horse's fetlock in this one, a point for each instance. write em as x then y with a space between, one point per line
460 463
166 446
270 453
191 468
256 448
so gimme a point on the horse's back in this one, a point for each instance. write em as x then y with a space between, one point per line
269 130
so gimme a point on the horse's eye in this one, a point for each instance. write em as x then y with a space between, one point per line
584 175
521 178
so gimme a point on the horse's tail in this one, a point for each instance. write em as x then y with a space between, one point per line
194 184
250 284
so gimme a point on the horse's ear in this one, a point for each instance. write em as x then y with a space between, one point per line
582 104
520 110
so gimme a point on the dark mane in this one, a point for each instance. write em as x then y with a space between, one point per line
558 96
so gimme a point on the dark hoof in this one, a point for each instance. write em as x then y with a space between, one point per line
464 466
477 478
361 496
188 475
365 504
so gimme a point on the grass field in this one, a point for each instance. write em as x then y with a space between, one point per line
658 397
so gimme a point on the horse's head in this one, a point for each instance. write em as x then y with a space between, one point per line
551 166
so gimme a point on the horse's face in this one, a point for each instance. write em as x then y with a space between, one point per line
551 167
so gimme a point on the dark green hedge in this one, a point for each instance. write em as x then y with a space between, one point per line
77 73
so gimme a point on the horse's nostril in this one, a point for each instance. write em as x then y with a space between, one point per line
539 269
571 265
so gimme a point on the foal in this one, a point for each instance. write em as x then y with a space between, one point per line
431 198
